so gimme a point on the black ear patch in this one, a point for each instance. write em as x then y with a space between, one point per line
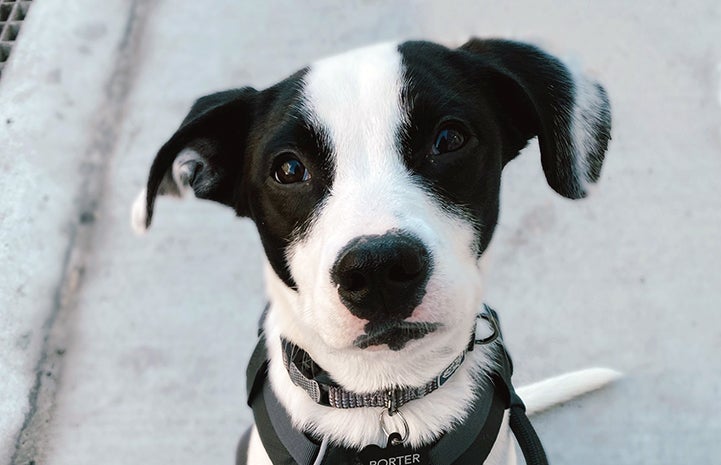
204 155
539 96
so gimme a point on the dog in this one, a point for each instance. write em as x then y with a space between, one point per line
373 179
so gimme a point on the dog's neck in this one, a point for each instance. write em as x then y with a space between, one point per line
427 417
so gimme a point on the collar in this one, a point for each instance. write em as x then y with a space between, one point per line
468 443
305 373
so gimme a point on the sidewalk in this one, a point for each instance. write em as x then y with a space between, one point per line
116 349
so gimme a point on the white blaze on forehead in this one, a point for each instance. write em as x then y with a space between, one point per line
356 99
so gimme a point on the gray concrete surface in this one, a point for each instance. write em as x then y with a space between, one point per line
116 349
51 142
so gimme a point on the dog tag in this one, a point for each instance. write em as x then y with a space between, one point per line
393 455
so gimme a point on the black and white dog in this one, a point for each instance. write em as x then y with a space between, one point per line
373 179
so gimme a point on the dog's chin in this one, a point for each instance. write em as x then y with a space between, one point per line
392 335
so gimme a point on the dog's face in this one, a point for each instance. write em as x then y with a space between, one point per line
373 178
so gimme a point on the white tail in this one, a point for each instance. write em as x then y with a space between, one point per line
549 392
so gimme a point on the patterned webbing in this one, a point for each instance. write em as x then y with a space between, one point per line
296 359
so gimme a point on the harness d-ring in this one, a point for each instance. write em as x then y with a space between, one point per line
406 430
488 316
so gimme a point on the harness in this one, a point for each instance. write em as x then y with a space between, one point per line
465 444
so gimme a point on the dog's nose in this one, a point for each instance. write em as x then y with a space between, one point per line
382 277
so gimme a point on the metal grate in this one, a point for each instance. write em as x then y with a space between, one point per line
12 14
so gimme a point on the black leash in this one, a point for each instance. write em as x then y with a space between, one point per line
531 447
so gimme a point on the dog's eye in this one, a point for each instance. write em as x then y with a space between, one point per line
290 170
450 138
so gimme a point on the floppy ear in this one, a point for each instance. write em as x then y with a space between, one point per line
539 96
204 155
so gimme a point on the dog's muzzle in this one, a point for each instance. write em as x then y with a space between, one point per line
382 278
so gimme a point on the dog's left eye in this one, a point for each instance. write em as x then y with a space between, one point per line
449 138
290 170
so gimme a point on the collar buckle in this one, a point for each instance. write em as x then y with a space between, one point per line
391 402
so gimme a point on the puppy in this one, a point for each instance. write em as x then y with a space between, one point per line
373 179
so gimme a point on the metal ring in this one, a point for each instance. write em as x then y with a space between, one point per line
487 340
406 430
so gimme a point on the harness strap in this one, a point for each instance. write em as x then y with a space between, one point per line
471 444
461 446
526 436
241 452
291 444
283 443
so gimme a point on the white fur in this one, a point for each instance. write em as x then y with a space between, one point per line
256 451
180 172
355 98
587 107
373 193
427 417
139 212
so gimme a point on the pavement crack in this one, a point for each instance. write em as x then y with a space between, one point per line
31 441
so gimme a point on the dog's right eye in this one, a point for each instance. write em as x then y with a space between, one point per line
289 170
449 138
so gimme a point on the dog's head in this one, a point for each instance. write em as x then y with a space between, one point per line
373 179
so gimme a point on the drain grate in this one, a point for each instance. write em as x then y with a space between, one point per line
12 14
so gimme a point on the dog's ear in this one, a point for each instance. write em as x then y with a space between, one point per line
205 155
539 96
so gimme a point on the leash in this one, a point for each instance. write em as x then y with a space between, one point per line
469 443
528 440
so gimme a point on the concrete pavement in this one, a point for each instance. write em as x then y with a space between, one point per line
119 349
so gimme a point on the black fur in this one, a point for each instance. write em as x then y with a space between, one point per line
238 134
503 93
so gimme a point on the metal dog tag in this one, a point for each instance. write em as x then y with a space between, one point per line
393 455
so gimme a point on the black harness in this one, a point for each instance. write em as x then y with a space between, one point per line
466 444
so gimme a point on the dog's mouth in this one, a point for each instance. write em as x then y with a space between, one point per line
396 334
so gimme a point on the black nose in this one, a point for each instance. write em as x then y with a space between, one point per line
382 277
